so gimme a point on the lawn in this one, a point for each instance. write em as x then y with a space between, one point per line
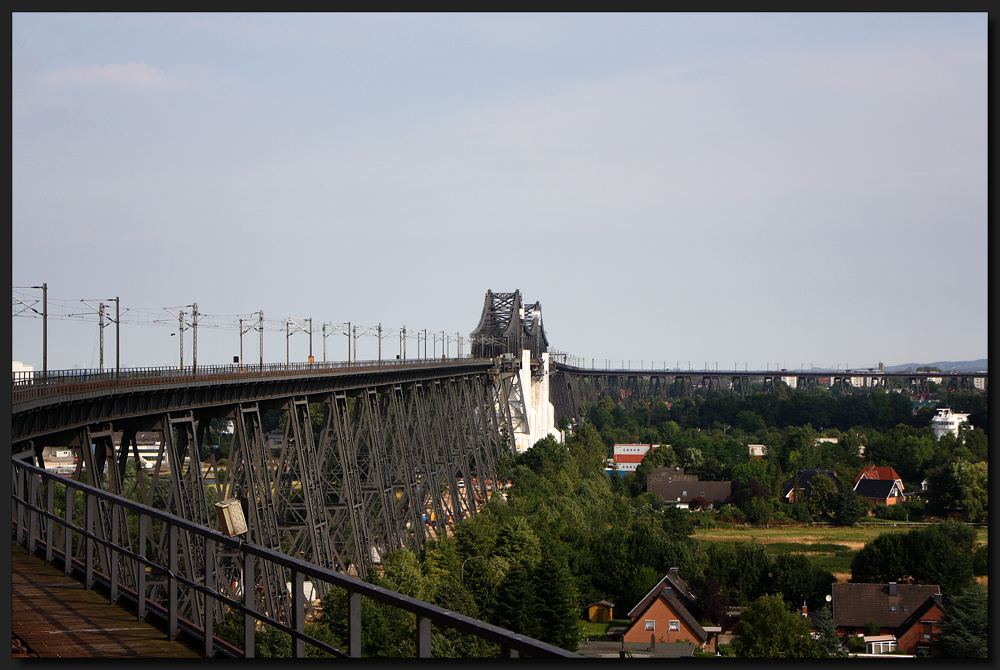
831 547
594 631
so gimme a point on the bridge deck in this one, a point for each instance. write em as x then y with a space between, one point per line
56 617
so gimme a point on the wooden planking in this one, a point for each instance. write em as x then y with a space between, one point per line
57 618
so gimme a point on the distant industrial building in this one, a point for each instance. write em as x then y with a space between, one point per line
627 457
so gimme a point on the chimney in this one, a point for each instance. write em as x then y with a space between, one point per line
892 588
805 610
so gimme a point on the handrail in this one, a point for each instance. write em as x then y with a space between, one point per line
29 516
31 385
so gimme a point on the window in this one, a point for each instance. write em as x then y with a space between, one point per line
882 647
650 624
675 624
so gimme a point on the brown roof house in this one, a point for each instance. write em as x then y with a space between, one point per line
677 488
661 616
909 613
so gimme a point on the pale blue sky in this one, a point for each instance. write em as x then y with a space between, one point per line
763 189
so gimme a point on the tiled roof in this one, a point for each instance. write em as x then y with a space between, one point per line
805 478
854 604
672 580
878 488
918 615
681 588
687 491
601 603
877 472
663 590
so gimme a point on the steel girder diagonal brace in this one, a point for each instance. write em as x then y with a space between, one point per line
251 477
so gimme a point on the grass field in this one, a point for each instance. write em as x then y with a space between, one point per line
831 547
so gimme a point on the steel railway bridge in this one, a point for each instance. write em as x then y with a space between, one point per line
374 456
571 384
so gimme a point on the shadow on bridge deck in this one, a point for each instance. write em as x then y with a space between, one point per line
56 617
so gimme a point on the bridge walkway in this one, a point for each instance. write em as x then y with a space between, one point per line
54 616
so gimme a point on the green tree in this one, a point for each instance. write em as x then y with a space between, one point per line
939 554
848 508
386 631
881 560
822 495
829 639
516 607
741 568
798 579
965 629
557 603
973 489
272 643
769 630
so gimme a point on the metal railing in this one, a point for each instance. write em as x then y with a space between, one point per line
32 385
34 525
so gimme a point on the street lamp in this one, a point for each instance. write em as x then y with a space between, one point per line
461 574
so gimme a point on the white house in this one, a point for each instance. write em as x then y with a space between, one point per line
947 421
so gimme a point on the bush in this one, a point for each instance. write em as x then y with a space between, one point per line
892 512
703 519
981 561
800 512
732 514
918 508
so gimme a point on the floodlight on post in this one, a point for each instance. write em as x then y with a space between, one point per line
231 519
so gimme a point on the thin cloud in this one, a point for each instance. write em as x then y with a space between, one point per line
132 75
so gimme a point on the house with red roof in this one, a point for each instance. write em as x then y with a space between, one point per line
881 484
627 457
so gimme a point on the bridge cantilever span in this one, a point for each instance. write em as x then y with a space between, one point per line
371 457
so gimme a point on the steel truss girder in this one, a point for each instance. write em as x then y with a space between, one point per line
173 484
386 455
48 416
507 326
301 508
252 476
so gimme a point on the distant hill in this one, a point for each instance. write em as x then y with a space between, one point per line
978 365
